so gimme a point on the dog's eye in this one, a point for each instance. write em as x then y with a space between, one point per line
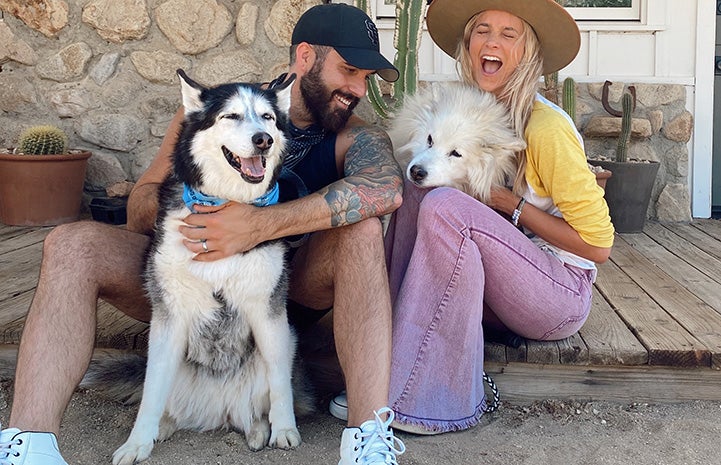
268 116
430 141
232 116
455 154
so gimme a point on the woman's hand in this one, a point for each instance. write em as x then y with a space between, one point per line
503 200
226 230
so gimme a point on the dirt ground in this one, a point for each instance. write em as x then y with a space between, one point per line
549 432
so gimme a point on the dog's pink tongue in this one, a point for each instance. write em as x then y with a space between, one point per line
252 166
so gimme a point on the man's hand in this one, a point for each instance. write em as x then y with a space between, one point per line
226 229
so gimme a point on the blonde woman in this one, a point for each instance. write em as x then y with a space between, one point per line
458 267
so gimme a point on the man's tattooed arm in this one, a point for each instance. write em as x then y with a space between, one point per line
373 183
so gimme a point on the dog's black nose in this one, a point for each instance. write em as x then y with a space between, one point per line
418 173
262 140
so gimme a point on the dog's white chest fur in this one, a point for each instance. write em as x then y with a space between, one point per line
238 276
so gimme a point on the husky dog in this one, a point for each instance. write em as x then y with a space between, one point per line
221 350
457 136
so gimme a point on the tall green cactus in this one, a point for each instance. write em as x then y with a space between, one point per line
625 136
42 140
568 99
406 40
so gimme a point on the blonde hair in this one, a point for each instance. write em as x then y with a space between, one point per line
519 92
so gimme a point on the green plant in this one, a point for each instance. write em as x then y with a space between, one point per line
42 140
625 136
406 40
568 99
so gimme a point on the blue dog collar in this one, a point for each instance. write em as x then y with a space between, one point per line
195 197
269 198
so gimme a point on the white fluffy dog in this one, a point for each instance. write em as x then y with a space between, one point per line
457 136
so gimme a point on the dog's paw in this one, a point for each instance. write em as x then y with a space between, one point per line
285 438
257 437
131 452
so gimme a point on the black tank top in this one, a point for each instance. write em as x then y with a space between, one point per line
315 171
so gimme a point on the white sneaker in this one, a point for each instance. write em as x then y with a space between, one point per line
29 448
339 406
371 443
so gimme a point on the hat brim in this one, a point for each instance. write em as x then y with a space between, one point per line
368 59
555 28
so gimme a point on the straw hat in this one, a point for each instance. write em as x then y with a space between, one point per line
555 28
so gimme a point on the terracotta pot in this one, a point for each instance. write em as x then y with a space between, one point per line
41 190
602 178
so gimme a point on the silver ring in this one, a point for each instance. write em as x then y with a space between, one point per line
205 245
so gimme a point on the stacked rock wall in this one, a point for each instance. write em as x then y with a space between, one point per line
104 70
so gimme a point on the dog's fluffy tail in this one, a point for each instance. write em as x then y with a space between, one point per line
117 375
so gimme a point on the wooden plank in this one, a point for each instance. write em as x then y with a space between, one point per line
573 350
115 329
695 315
543 352
494 352
696 269
666 341
25 239
525 382
12 316
710 227
609 340
696 237
9 232
19 270
8 359
517 354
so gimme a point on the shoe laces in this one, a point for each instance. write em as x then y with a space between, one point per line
377 442
7 452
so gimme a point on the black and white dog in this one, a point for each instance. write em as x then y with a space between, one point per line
221 351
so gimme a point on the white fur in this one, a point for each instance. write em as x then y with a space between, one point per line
256 398
473 146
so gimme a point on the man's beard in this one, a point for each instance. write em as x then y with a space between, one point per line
318 100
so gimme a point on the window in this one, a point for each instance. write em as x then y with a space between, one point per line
604 9
385 8
580 9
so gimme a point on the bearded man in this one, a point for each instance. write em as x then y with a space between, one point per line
339 178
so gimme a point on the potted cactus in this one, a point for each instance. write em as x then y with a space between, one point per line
628 191
568 103
41 181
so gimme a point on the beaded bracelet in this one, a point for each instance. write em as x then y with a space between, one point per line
517 211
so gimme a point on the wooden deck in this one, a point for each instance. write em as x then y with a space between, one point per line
654 332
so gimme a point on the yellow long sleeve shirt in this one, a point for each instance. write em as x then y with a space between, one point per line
560 183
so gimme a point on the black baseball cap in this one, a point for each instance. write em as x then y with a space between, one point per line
349 31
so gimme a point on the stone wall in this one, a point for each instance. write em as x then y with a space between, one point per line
104 70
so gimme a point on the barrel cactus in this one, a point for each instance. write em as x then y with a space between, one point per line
43 140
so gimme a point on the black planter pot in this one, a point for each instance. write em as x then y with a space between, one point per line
628 192
110 210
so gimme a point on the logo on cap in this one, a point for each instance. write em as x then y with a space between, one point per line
372 31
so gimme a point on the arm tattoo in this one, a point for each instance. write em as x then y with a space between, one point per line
373 182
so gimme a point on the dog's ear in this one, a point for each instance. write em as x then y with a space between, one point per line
282 93
190 91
